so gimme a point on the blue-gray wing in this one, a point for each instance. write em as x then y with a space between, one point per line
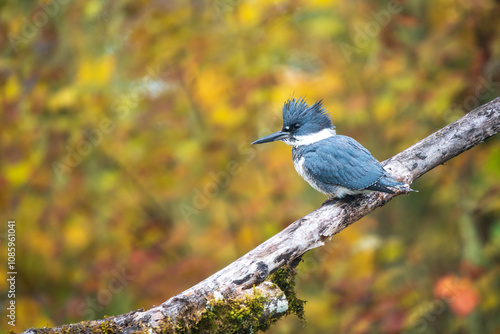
342 161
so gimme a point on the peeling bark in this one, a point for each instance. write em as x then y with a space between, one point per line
311 231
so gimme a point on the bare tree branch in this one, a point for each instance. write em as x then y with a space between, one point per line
234 283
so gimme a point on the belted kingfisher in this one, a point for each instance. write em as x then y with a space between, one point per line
332 164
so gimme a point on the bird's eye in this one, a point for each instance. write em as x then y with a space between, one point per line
296 126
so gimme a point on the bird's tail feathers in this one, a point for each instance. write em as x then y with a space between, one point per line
403 187
390 182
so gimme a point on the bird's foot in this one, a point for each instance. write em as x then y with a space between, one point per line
330 198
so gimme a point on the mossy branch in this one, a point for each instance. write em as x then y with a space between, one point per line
239 299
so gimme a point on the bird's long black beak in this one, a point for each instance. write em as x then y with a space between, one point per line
272 137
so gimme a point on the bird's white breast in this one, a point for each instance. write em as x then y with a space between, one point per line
299 167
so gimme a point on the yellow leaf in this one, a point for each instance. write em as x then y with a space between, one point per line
64 98
391 251
226 117
12 88
93 8
75 233
249 13
384 108
211 86
17 174
96 71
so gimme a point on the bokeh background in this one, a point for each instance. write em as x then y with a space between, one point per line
126 159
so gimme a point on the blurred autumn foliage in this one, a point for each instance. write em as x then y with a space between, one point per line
126 159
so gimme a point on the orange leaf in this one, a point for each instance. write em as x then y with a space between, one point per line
459 292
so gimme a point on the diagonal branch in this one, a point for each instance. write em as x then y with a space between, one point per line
309 232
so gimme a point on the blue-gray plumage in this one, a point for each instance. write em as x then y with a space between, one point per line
334 165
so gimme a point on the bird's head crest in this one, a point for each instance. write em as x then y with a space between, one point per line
312 118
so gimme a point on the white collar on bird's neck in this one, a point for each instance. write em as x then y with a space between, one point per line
311 138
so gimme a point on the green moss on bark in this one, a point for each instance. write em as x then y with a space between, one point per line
244 315
284 278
